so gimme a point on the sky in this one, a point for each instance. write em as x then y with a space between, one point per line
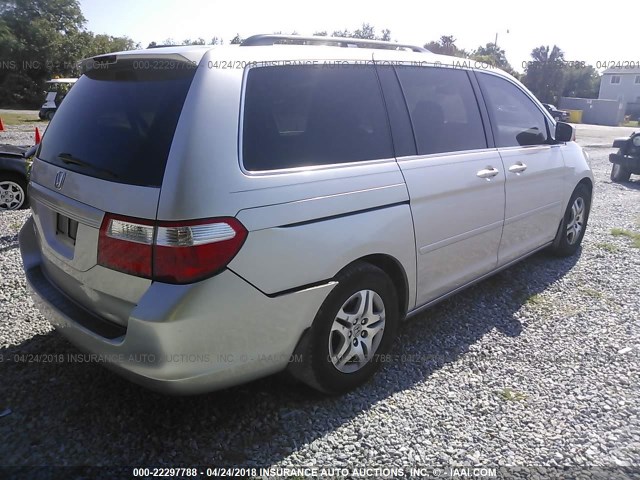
594 32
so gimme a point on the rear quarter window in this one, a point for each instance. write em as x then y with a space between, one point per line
118 123
296 116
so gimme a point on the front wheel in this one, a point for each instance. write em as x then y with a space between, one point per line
13 192
620 173
574 223
352 332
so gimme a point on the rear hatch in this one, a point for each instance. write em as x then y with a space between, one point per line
103 157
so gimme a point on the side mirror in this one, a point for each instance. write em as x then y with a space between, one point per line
565 132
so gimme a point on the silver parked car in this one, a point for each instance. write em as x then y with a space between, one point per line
204 216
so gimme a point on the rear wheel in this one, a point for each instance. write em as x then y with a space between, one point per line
620 173
574 223
352 331
13 192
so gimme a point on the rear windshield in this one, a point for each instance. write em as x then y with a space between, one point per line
118 123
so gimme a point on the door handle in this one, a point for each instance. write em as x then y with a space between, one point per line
517 167
487 173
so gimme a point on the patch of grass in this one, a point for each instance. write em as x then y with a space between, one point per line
621 232
511 395
593 293
609 247
631 123
20 118
535 299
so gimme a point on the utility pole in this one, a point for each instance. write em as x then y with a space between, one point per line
496 40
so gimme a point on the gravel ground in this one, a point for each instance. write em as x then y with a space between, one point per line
538 365
21 134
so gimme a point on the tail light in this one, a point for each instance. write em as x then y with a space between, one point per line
170 252
126 244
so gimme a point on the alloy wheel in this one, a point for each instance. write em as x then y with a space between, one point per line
11 195
576 223
357 331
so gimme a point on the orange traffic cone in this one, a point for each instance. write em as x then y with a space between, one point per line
37 136
1 125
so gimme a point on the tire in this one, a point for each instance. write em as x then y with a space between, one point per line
329 361
13 192
574 223
49 115
619 173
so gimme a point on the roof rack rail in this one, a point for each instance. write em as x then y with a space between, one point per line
166 46
262 40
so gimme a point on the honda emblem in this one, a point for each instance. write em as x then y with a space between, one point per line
60 176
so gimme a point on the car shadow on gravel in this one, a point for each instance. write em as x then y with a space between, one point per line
81 413
632 184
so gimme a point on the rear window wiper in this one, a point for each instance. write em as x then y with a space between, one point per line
70 159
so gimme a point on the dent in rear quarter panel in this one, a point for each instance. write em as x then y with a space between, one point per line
279 258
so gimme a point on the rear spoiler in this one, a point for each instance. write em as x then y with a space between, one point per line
102 62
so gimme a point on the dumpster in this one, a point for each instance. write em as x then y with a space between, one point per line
575 116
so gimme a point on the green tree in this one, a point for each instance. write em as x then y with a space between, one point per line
39 37
446 45
44 39
583 82
365 32
493 55
342 33
545 75
197 41
101 44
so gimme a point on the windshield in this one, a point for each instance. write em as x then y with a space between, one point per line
118 123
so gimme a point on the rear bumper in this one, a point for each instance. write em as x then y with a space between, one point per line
632 163
183 339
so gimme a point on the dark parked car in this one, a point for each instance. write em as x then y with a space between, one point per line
558 115
627 159
14 176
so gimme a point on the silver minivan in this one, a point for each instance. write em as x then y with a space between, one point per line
204 216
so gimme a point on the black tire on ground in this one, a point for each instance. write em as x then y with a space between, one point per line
17 185
620 173
49 115
566 244
317 368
